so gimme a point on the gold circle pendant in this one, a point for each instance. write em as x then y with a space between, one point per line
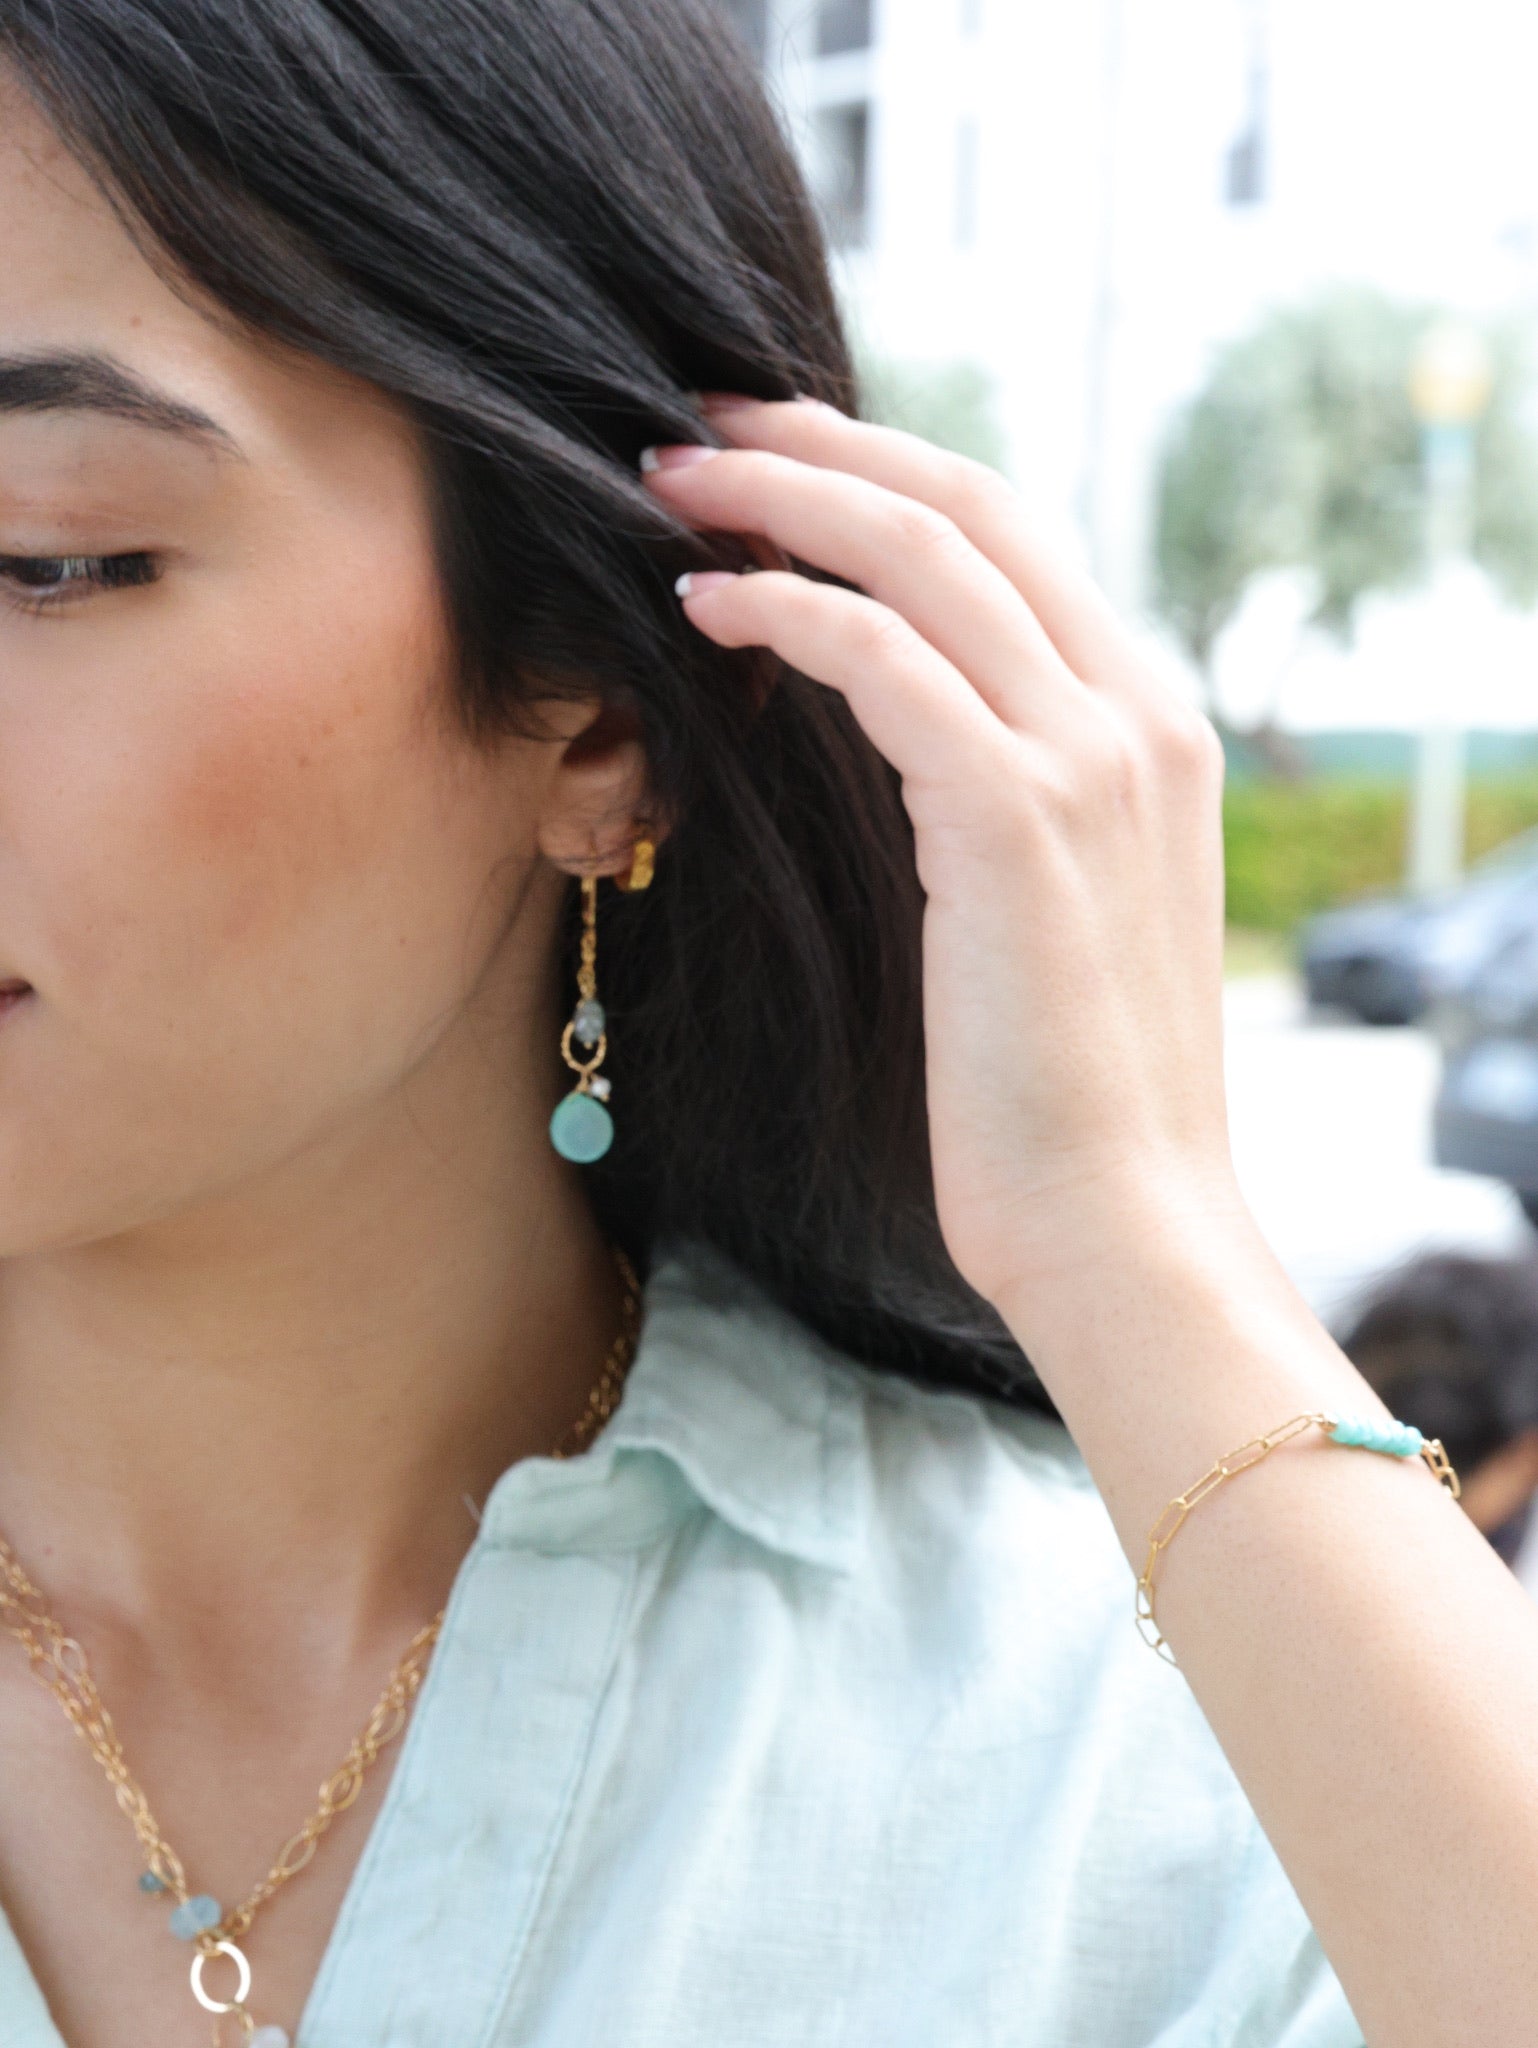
221 1948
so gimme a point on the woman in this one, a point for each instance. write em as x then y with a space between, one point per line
356 361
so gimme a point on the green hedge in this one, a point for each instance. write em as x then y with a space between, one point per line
1297 847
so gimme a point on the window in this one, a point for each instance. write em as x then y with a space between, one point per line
843 25
1245 176
841 171
751 20
1247 171
968 151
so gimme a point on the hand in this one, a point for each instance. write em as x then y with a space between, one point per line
1066 806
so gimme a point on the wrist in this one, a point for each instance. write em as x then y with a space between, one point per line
1177 1286
1178 1228
1176 1339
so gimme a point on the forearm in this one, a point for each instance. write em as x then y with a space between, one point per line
1365 1659
1367 1662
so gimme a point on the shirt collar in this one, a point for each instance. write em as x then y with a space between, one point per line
759 1415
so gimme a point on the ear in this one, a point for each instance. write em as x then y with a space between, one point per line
599 801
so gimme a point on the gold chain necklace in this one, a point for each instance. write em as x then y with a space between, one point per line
59 1662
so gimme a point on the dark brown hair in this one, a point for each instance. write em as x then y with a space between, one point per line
540 225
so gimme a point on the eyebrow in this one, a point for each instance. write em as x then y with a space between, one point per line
84 381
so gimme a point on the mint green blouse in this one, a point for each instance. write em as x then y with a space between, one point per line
806 1708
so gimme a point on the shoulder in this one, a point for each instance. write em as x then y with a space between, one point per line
921 1616
993 1555
985 1595
998 1506
987 1542
928 1502
979 1471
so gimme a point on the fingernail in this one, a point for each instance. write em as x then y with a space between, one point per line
697 580
683 456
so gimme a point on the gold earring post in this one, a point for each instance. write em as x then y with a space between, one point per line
643 868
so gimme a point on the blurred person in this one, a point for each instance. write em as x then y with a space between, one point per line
1450 1342
669 1393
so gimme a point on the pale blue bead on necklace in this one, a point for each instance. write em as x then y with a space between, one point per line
196 1916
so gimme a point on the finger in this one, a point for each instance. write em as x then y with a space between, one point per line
1083 625
904 554
914 706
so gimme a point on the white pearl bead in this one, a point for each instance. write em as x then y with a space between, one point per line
268 2037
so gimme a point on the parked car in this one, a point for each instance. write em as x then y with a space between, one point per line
1486 1114
1387 959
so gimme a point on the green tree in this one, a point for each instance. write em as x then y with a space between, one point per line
953 404
1506 507
1302 451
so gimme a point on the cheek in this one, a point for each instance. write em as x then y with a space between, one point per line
280 809
293 818
254 885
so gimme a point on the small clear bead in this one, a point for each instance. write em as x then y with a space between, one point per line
602 1087
589 1022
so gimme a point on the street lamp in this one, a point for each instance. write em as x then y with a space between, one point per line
1450 386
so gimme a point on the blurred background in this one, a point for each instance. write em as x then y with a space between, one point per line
1244 295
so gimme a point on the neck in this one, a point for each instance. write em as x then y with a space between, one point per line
267 1411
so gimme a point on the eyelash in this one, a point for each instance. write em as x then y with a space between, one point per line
78 573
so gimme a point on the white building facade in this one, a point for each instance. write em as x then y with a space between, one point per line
1083 196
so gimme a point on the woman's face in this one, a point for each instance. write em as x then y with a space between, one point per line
249 871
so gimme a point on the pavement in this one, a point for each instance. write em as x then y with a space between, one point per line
1331 1124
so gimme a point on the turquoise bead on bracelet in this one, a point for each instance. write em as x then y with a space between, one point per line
1395 1439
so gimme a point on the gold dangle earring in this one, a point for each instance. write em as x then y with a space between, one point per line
582 1129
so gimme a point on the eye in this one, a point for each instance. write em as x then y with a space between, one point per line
53 581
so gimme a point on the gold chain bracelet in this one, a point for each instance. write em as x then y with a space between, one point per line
1394 1439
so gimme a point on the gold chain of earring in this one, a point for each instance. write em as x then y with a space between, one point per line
60 1664
581 1127
588 1022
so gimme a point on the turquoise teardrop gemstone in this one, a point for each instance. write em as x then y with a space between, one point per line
581 1130
196 1917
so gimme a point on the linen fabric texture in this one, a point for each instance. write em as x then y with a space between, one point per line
804 1710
